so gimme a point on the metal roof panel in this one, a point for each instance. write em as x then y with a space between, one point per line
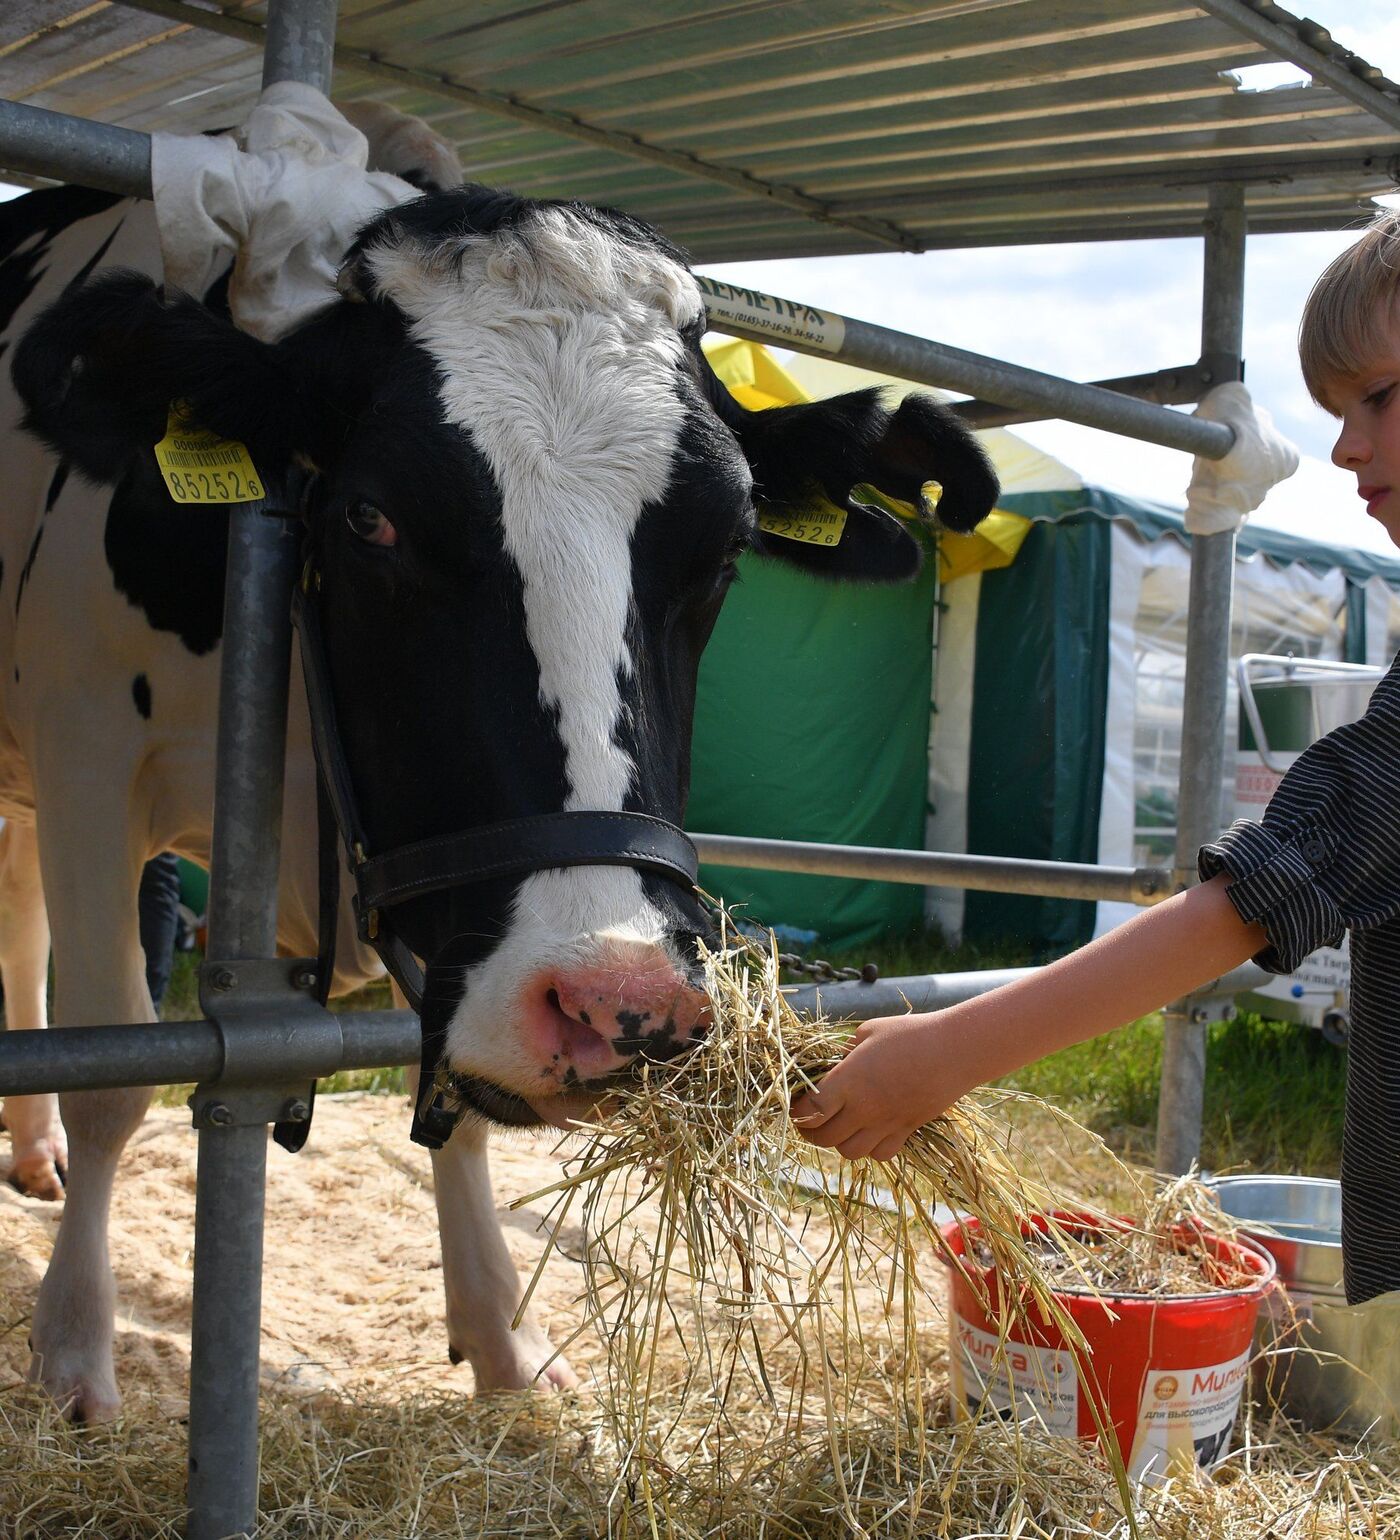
762 128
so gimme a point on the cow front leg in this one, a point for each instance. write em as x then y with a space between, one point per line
38 1148
482 1286
71 1337
90 878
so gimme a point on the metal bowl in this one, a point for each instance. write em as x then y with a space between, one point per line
1319 1361
1300 1225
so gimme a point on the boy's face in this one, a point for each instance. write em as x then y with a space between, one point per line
1369 442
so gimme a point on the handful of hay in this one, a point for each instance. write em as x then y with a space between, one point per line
766 1294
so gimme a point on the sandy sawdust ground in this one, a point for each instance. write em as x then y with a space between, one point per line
352 1291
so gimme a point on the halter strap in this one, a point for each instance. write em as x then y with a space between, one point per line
510 848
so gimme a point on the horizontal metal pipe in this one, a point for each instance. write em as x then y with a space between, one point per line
851 1000
760 317
93 154
928 868
36 142
1164 387
172 1052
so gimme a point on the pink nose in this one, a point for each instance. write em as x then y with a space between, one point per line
598 1018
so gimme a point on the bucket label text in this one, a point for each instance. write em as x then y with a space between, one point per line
1185 1417
1016 1381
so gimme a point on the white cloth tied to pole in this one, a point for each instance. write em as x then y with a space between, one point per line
281 199
1223 492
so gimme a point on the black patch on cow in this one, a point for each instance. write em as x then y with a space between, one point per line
85 271
166 559
37 219
141 694
60 479
28 567
56 485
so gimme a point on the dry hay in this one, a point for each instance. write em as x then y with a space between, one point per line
445 1467
773 1365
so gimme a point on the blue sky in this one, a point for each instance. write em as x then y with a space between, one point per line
1093 311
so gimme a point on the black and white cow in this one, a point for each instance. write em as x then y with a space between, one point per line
531 495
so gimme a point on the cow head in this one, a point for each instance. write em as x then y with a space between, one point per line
531 496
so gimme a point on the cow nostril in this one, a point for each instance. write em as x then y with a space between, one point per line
573 1011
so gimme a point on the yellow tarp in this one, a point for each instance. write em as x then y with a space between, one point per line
756 380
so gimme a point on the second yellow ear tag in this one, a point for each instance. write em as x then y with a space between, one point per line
821 526
200 467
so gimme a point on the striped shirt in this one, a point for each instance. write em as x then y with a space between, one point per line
1325 858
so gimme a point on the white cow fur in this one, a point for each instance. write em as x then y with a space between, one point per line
106 790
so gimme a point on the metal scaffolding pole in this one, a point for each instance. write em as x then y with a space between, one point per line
231 1183
54 144
1207 672
766 318
932 868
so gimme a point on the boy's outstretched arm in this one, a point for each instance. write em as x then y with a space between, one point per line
901 1071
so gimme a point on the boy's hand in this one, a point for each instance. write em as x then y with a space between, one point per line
897 1075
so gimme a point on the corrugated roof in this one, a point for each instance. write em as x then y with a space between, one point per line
765 128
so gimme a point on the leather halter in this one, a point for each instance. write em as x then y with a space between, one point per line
386 879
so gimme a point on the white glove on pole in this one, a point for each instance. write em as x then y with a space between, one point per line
281 199
1223 492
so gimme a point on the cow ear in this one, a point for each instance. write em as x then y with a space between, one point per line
98 371
818 455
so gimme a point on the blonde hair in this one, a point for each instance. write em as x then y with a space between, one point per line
1340 333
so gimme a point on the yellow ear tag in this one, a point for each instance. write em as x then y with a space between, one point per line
930 495
818 526
200 467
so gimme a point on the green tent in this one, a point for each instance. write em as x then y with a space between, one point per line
1016 700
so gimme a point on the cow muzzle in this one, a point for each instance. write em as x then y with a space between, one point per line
586 1023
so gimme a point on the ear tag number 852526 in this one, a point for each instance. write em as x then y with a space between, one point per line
200 467
817 526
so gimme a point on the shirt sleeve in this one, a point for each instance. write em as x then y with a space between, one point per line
1325 856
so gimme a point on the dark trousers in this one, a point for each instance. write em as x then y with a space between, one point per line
158 903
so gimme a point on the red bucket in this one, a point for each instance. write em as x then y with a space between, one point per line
1165 1372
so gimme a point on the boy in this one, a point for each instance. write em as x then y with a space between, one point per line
1324 858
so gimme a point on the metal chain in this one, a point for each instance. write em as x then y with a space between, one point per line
818 969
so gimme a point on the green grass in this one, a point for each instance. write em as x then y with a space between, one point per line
1274 1093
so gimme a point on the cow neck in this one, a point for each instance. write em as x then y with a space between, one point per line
385 879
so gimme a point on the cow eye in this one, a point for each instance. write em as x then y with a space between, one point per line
367 522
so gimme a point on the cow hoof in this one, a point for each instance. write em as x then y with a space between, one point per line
84 1399
556 1375
39 1176
531 1365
